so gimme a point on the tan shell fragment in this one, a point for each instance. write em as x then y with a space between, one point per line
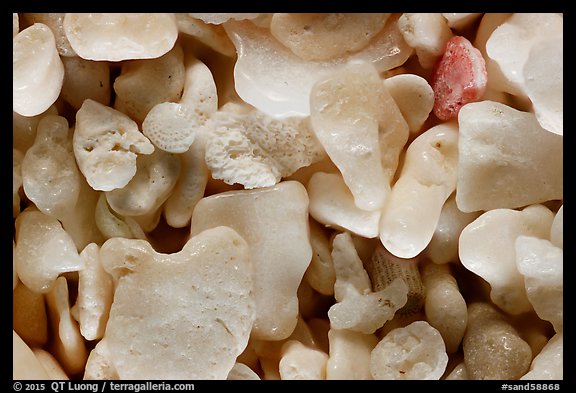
99 364
171 127
43 251
414 97
51 178
186 315
24 128
414 352
460 20
506 159
325 36
493 349
38 72
106 143
116 36
274 223
345 112
487 248
211 35
428 178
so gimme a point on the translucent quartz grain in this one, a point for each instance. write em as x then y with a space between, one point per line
487 248
120 36
345 112
428 177
549 363
38 72
274 223
272 78
506 159
51 178
492 347
43 251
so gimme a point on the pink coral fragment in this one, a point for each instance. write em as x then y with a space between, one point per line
458 78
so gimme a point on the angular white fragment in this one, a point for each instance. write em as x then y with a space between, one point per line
366 313
506 159
186 315
50 176
156 175
541 264
106 143
549 363
256 150
69 345
412 352
43 251
443 246
85 79
332 204
414 97
25 366
116 37
95 294
345 114
37 71
299 362
270 77
544 83
351 278
428 177
319 36
349 355
171 127
557 229
427 33
487 248
142 84
510 43
274 223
